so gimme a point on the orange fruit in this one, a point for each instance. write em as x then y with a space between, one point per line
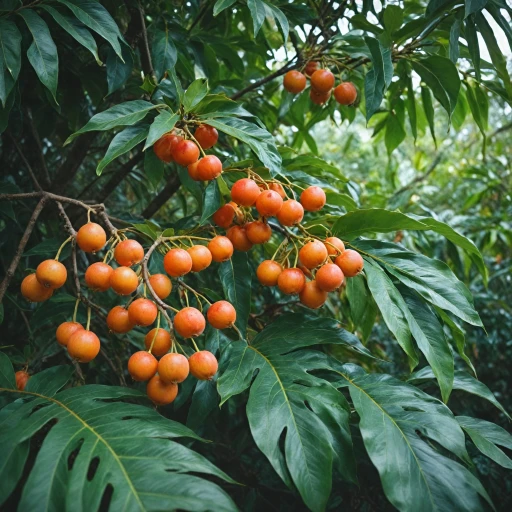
221 248
203 365
91 237
33 290
177 262
350 262
160 392
65 331
268 272
51 274
173 368
294 81
97 276
189 322
128 253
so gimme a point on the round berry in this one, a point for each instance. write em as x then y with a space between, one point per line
203 365
224 216
206 135
291 281
161 393
173 368
161 284
294 82
345 93
162 341
319 98
311 67
118 320
128 253
83 346
189 322
142 366
201 257
177 262
97 276
277 187
221 248
51 274
33 290
65 331
269 203
290 213
239 239
312 296
245 192
329 277
192 171
350 262
312 254
91 237
268 272
221 314
21 379
313 199
185 152
258 232
142 312
334 245
164 146
124 280
209 168
322 80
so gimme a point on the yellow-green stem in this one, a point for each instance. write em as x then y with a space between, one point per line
62 247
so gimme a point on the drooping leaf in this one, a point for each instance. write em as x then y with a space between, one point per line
164 122
197 90
473 46
118 71
410 105
163 52
221 5
479 106
363 309
257 8
428 108
393 17
473 6
454 41
153 167
278 15
211 201
7 379
10 57
395 132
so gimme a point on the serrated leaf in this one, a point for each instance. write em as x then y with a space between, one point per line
118 71
257 8
197 90
211 201
10 58
163 52
164 122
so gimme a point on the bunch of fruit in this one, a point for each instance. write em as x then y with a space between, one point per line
322 83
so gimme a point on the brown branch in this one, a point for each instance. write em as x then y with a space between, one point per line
171 187
35 135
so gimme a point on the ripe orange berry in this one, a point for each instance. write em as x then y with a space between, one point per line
189 322
206 135
239 239
311 67
21 379
245 192
33 290
161 393
192 171
312 296
329 277
319 98
142 366
350 262
185 152
51 274
177 262
208 168
268 272
203 365
142 312
337 243
201 257
173 368
128 253
291 281
91 237
312 254
290 213
221 314
124 280
313 199
161 285
277 187
164 146
118 320
83 346
162 342
294 82
322 80
258 232
97 276
345 93
65 331
224 216
221 248
269 203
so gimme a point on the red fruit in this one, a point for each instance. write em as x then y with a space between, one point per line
329 277
162 342
277 187
290 213
224 216
91 237
294 82
161 393
33 290
245 192
185 152
142 312
345 93
239 239
313 254
51 274
208 168
83 346
206 135
124 280
189 322
97 276
164 146
331 241
322 80
142 366
221 314
173 368
118 320
311 67
350 262
203 365
192 171
312 296
128 253
221 248
313 199
319 98
177 262
65 331
291 281
161 285
269 203
201 257
21 379
258 232
268 272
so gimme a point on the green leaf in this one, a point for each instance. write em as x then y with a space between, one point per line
501 21
204 401
410 104
393 17
42 53
473 6
164 122
473 46
359 21
7 378
211 201
177 84
153 168
118 71
395 132
428 108
378 79
122 143
163 52
10 57
1 313
363 309
221 5
49 381
197 90
123 114
461 110
93 15
257 8
301 442
75 29
486 436
49 248
235 276
454 41
133 445
441 75
479 106
277 14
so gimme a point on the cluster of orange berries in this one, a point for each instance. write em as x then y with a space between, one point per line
322 83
